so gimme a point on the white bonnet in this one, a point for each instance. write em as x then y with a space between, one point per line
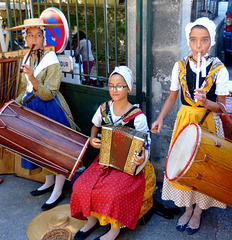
205 22
126 73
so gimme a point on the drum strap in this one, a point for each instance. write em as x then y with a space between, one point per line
222 107
67 115
207 111
123 116
204 116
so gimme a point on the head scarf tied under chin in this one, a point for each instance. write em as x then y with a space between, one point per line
205 22
126 73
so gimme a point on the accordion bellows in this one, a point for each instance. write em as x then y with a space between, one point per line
119 144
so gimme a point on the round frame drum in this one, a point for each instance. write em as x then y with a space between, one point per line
42 140
201 161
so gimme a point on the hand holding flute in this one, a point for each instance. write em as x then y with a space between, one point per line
199 94
29 54
29 71
198 72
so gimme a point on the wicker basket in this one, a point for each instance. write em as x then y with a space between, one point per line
57 234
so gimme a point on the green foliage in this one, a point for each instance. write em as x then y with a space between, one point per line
100 27
101 37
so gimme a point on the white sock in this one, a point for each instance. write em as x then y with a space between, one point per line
186 216
92 221
196 217
57 191
112 234
49 181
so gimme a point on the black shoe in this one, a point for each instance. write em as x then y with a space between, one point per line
98 238
83 235
47 206
40 192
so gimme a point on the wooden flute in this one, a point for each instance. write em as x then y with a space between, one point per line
29 54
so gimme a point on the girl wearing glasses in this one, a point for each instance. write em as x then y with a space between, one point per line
107 195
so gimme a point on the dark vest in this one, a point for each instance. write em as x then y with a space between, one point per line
130 123
191 82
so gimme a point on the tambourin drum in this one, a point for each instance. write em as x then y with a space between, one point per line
43 141
201 161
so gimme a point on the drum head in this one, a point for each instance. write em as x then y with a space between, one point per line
183 151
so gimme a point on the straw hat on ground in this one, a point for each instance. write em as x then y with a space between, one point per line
34 22
58 234
51 220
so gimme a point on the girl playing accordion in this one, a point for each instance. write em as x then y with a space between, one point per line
105 195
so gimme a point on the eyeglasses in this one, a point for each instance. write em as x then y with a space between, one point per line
117 88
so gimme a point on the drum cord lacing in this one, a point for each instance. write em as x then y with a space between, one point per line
9 81
40 126
206 181
47 162
68 115
213 161
38 142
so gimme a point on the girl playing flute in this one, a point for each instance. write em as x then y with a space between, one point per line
212 88
41 78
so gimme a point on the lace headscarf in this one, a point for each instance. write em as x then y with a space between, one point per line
24 31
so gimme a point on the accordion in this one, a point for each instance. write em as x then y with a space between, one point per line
119 144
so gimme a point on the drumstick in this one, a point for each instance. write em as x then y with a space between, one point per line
198 71
33 45
155 128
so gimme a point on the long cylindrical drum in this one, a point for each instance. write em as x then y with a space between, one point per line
42 140
202 161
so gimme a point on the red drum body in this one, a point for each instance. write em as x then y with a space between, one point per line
201 161
45 142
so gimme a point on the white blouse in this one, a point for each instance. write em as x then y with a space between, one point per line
221 80
140 121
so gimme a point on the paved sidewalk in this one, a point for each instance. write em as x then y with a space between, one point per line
18 208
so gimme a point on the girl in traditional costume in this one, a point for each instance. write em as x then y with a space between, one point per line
107 195
195 100
40 83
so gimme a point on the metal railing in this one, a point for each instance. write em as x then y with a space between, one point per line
104 22
204 8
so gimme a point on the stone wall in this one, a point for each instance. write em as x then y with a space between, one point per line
166 50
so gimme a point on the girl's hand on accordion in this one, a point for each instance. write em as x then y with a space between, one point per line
95 142
139 159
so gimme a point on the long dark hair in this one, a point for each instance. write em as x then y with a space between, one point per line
82 35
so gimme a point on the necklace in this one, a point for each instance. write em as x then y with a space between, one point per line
196 60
